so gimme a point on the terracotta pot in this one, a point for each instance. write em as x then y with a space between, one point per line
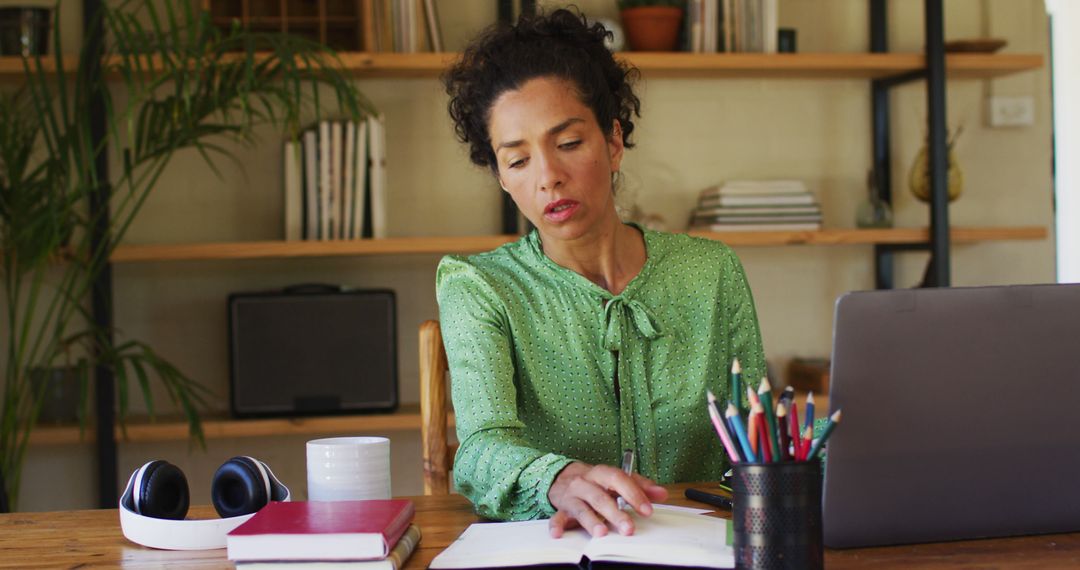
652 28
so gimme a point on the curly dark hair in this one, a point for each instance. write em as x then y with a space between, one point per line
561 44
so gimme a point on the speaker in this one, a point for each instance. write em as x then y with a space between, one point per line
312 349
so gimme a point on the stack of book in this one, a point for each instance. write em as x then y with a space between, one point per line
361 535
335 181
731 26
765 205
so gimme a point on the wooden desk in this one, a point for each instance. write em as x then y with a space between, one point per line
89 539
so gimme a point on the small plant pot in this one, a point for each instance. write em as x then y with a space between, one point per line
652 28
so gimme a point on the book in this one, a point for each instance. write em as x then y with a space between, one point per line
360 180
763 200
780 209
401 552
348 186
763 219
753 187
294 191
321 530
431 16
324 180
665 538
336 193
377 182
311 185
768 227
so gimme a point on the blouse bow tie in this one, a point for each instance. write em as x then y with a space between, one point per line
616 311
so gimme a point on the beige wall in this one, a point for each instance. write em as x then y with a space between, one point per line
694 133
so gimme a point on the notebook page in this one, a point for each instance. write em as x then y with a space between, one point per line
525 543
669 538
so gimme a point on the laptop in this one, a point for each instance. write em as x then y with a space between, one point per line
961 415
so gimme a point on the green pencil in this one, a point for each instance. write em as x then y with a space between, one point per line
833 420
736 384
765 395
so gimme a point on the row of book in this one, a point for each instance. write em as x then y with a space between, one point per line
360 535
402 26
335 181
731 26
764 205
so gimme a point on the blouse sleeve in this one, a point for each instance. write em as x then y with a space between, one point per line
745 333
495 467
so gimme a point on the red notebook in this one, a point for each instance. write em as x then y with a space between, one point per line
317 530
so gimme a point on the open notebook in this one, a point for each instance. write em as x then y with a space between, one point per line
667 538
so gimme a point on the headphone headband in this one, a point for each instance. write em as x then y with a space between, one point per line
203 534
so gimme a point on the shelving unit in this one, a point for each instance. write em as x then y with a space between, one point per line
143 430
669 65
884 70
472 244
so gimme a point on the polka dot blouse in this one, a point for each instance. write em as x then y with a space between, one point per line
547 367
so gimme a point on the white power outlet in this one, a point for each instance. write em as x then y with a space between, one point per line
1012 111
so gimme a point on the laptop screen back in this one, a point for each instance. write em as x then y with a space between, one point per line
961 415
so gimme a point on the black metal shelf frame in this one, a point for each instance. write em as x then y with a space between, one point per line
938 272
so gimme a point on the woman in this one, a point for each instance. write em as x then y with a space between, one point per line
587 336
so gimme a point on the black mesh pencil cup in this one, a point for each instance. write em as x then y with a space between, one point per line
777 515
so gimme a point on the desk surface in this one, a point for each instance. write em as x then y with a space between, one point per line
88 539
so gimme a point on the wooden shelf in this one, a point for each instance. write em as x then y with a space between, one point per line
473 244
142 430
677 64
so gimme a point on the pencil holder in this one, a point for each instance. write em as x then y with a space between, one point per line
777 515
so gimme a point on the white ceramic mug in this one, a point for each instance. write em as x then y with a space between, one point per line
348 468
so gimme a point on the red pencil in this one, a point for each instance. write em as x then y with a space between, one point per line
808 437
763 435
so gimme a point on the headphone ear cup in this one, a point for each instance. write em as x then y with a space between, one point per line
163 492
239 488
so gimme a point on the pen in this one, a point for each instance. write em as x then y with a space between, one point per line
709 498
628 468
782 429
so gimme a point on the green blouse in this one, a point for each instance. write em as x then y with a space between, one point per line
547 367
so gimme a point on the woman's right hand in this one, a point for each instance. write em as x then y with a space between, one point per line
585 495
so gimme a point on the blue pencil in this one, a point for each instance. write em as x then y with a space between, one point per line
809 411
740 431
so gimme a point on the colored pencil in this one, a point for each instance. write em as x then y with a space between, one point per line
736 384
721 429
763 436
765 397
781 422
814 451
808 437
753 432
810 410
752 397
732 414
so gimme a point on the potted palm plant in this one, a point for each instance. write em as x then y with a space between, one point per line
652 25
186 85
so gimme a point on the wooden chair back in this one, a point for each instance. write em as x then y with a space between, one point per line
434 416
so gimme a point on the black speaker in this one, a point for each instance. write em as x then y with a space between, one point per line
312 349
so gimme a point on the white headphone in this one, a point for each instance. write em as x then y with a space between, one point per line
155 502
